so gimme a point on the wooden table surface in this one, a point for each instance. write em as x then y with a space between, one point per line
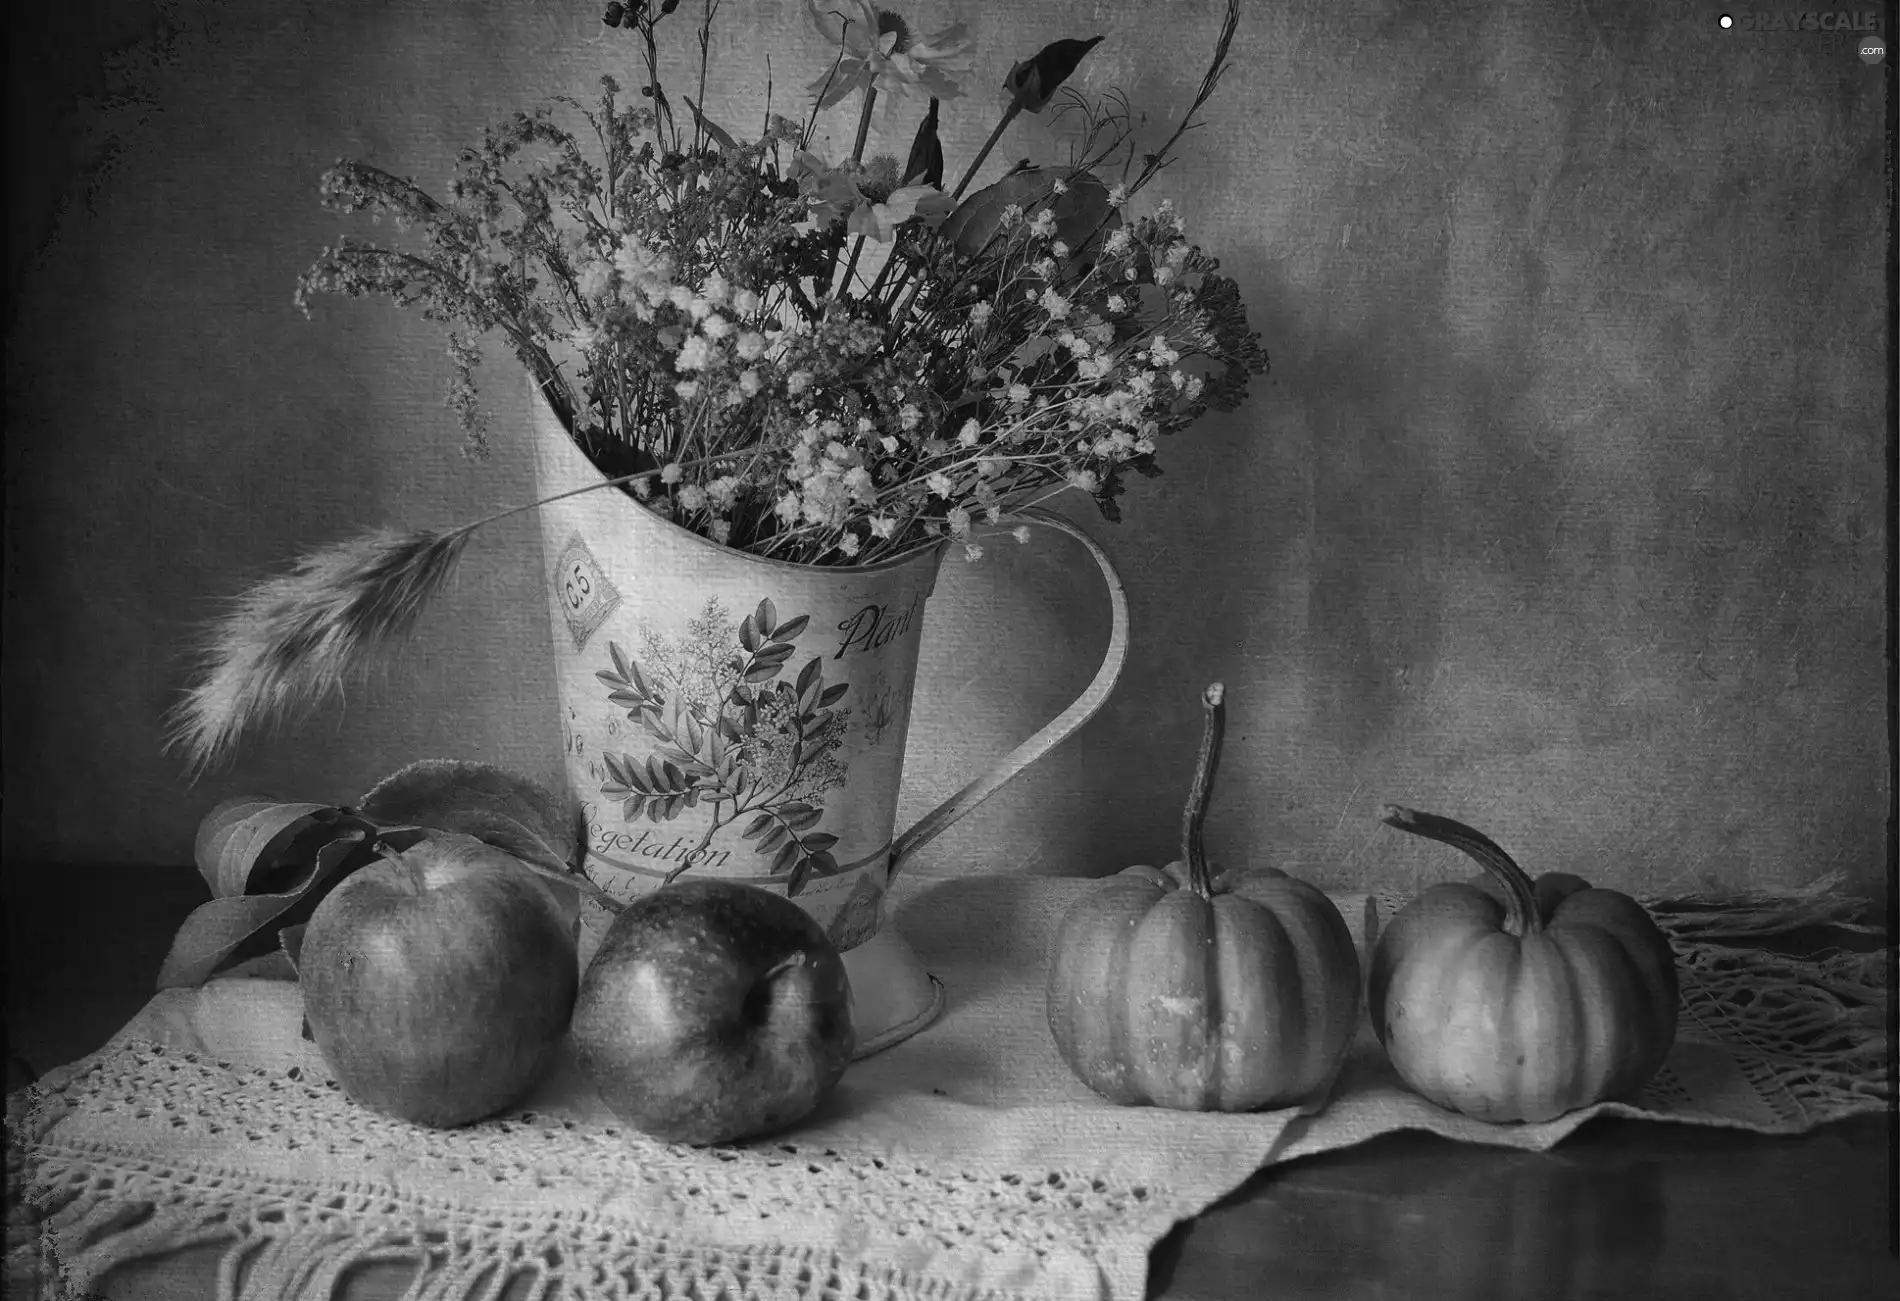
1620 1209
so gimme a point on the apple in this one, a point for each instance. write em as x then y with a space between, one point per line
438 982
713 1011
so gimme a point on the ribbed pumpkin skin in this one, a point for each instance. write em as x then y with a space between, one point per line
1504 1027
1244 1000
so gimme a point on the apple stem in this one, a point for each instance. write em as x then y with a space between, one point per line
407 869
797 959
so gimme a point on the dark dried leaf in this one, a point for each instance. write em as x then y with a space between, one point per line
1083 214
235 928
224 821
1031 82
481 800
925 163
718 135
246 837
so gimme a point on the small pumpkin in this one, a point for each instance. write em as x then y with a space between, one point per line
1204 991
1511 999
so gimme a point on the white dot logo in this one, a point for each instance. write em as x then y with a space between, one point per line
1727 21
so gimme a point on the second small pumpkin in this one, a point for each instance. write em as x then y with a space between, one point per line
1518 1000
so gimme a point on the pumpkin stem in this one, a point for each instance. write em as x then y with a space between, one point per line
1192 848
1520 895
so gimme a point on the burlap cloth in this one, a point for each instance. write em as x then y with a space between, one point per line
964 1163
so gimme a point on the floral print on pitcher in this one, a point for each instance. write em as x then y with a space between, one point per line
731 737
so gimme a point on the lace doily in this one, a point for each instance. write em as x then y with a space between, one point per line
963 1164
301 1185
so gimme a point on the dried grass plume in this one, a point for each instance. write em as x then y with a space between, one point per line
293 640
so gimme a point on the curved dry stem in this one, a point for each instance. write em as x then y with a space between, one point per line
1520 894
1205 765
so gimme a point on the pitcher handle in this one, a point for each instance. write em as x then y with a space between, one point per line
933 823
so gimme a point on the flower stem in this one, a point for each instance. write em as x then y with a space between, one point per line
902 301
1520 894
851 264
857 156
592 487
864 124
1009 115
1192 848
889 268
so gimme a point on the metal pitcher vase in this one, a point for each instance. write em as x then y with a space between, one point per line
727 715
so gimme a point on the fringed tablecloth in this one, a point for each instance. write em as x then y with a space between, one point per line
964 1163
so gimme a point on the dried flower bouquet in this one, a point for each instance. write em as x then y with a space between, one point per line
826 362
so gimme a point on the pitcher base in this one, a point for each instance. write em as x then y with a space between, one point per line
892 996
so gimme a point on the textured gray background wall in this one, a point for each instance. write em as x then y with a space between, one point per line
1561 511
